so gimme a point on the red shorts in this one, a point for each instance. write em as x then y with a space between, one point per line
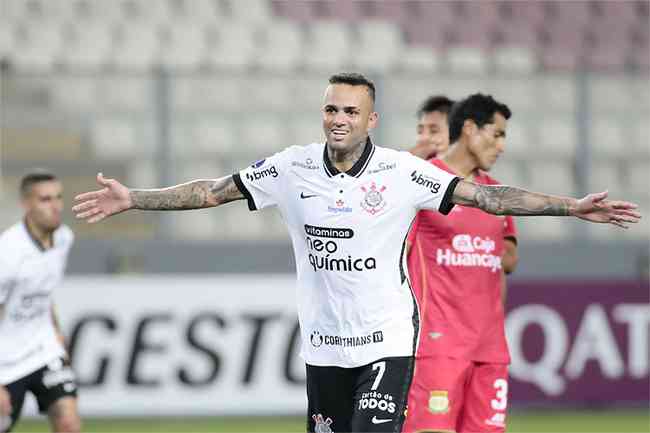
456 395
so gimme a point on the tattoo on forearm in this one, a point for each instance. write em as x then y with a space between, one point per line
192 195
507 200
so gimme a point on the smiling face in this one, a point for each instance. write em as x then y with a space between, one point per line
43 205
348 116
487 142
433 133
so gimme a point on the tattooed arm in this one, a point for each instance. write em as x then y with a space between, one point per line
114 198
508 200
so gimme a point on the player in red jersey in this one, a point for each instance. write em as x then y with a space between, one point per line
456 269
433 130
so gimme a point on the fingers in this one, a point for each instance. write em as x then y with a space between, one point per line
92 212
599 196
88 195
100 216
626 218
631 213
616 204
102 180
84 206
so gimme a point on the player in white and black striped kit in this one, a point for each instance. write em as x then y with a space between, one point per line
348 205
33 256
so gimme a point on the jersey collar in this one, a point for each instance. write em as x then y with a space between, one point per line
358 168
33 238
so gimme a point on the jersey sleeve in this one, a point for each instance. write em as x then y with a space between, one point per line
263 182
509 228
6 280
429 186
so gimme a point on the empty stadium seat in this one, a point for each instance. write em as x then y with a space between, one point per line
466 59
126 92
638 175
514 59
520 138
88 46
75 93
518 92
378 45
263 134
184 45
553 177
609 93
115 139
234 48
557 92
137 47
557 137
399 132
282 49
607 176
250 11
606 137
328 46
271 93
419 59
37 45
508 172
641 137
6 38
305 131
211 136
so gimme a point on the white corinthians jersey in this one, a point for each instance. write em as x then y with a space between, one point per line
348 230
28 275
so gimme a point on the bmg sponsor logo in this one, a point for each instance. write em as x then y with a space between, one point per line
428 182
257 175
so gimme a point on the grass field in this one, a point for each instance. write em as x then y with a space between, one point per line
618 421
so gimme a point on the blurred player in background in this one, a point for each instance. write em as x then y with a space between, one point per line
33 256
432 141
348 205
456 265
432 130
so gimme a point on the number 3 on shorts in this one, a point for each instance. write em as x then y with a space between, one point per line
381 365
500 403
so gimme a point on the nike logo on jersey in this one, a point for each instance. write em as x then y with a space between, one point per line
376 420
303 196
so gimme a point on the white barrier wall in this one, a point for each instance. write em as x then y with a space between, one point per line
229 345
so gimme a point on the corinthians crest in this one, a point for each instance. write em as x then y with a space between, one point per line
322 424
373 202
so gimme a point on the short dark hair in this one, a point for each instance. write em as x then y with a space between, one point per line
354 79
433 103
34 177
479 108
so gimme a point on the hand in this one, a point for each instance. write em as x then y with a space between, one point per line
595 208
94 206
5 402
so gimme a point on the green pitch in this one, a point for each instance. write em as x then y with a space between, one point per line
619 421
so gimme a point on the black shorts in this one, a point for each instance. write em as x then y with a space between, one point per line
371 398
48 384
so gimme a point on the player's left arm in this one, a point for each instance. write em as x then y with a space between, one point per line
509 200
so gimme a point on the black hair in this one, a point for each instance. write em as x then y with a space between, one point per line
354 79
479 108
34 177
433 103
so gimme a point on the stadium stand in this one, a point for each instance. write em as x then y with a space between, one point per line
91 62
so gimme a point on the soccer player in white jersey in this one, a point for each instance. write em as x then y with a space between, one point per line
348 205
33 256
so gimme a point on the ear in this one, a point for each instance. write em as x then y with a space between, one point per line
373 118
469 128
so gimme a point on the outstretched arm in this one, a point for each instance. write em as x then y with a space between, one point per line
508 200
114 198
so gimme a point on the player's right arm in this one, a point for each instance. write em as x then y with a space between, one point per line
114 198
5 402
